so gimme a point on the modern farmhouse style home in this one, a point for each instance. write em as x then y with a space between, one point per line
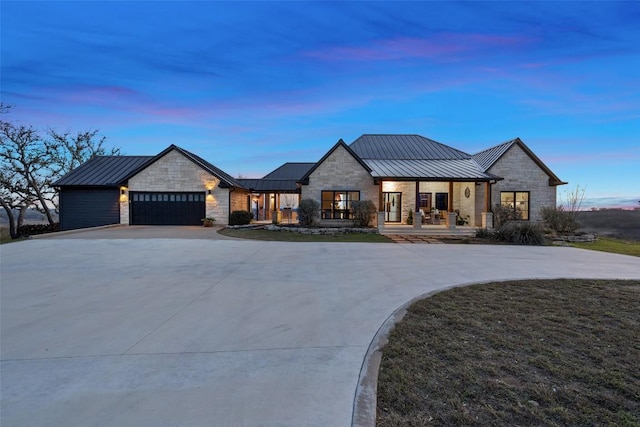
402 174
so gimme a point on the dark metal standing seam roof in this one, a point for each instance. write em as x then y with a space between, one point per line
282 179
434 170
416 157
107 171
404 147
488 157
290 170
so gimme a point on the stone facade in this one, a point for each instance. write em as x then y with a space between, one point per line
175 172
408 190
240 200
521 173
340 171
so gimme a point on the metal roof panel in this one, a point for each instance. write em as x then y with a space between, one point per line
404 147
103 171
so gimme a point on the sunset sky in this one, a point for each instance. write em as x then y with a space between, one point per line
251 85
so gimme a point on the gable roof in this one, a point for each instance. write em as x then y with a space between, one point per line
340 143
290 170
107 171
282 179
226 180
414 157
404 147
487 158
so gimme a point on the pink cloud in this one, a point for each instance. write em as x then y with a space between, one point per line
443 45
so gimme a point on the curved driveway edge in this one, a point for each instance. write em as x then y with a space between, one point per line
154 332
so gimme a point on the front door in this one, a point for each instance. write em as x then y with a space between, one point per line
392 207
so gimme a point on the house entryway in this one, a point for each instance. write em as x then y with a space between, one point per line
392 206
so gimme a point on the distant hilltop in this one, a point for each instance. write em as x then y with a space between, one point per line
592 203
32 216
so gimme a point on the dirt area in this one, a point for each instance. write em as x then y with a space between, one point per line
622 224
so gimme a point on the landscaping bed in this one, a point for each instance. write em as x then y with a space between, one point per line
299 234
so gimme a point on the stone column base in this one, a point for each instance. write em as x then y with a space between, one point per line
451 219
417 219
487 219
381 220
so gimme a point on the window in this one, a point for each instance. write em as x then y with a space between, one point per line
442 201
337 204
518 202
424 201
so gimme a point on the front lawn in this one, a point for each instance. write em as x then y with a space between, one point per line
527 353
608 244
287 236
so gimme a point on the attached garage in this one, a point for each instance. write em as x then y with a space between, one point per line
167 208
88 207
174 187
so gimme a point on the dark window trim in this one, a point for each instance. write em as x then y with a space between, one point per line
333 211
514 213
445 203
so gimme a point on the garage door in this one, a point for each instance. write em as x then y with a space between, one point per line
88 207
167 208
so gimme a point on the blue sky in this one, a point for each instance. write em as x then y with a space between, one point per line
250 85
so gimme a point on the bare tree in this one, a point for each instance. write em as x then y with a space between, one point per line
30 164
70 151
25 163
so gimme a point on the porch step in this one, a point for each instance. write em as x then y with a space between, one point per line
429 231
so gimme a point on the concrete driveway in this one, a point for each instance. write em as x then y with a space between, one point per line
182 332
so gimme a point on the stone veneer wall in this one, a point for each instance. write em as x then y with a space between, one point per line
521 173
239 201
466 205
175 172
408 190
340 171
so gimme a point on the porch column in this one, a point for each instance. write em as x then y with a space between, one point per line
417 196
381 214
450 207
487 197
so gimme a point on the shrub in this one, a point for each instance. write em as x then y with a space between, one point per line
502 215
308 211
240 218
521 233
409 220
33 229
363 212
484 233
559 220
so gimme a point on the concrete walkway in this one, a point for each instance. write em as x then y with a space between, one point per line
192 332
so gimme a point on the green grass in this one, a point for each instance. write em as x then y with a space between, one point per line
4 235
608 244
528 353
286 236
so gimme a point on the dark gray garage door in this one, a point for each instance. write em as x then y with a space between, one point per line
167 208
88 207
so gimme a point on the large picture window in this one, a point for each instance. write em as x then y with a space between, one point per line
517 202
337 204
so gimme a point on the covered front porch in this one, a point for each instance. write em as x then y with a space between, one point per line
434 205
